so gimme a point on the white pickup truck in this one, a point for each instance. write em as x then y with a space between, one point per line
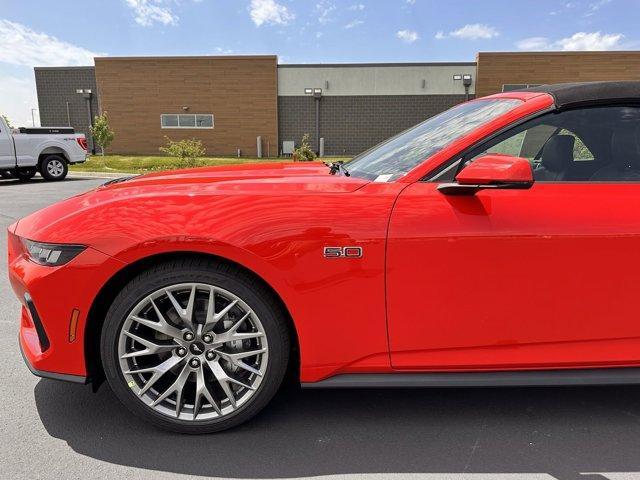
48 150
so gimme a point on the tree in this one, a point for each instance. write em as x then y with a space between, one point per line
187 150
102 134
6 119
304 153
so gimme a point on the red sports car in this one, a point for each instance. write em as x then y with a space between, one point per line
497 243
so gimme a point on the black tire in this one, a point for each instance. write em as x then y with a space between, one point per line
54 168
6 174
224 276
24 174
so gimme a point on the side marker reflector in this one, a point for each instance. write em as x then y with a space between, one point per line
73 324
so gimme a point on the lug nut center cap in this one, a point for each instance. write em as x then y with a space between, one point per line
196 348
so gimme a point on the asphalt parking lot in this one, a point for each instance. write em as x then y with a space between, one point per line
50 429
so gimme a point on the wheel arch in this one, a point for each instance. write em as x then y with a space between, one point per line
52 150
113 286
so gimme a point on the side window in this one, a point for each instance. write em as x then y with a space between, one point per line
527 143
586 144
580 151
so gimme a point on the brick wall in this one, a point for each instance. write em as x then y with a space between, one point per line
241 93
497 69
351 124
57 87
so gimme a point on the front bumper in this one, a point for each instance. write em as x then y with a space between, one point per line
55 306
52 375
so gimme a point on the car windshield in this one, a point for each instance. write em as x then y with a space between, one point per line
398 155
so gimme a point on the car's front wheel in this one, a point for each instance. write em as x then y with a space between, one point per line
194 346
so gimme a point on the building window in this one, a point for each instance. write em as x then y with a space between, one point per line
199 120
510 87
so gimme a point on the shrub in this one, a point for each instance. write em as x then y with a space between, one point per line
102 134
304 153
187 150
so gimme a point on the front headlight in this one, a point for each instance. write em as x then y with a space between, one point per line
51 254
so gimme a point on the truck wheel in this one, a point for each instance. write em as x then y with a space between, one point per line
24 174
54 168
6 174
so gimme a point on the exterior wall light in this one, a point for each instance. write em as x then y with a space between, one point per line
86 94
466 81
317 96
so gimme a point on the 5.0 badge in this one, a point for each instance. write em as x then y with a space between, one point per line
342 252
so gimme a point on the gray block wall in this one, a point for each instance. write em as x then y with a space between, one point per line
352 124
56 87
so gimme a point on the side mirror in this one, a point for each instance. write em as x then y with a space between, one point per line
491 171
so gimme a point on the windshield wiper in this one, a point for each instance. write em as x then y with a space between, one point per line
338 167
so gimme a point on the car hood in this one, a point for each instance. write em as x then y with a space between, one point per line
290 176
192 185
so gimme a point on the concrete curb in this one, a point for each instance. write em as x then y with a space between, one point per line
101 174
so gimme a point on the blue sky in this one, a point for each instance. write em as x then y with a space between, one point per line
39 33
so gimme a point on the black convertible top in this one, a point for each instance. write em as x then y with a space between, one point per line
568 95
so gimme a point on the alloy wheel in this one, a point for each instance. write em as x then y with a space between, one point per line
193 351
55 168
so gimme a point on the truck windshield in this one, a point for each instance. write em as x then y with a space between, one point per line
398 155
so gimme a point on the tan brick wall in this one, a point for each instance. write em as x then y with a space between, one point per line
496 69
241 93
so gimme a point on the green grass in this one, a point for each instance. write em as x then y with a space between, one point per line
144 164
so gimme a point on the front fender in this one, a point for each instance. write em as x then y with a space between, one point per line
337 305
175 245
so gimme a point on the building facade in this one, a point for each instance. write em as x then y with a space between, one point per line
67 97
230 102
499 71
363 104
226 102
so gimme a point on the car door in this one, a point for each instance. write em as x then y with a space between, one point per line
7 159
517 279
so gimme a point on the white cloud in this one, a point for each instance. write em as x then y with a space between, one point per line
148 12
475 31
353 24
408 36
270 12
357 7
19 45
439 35
533 43
324 9
595 6
410 2
224 51
17 98
591 41
21 49
578 41
587 10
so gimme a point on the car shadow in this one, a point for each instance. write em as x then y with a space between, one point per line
39 180
559 431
